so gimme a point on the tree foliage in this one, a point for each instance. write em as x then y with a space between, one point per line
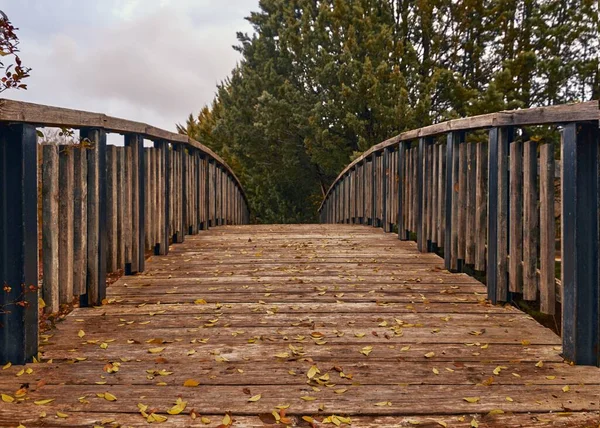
9 42
321 81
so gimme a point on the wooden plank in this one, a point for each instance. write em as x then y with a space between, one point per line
127 203
441 224
462 204
50 288
79 219
534 116
135 142
96 217
547 231
481 207
471 203
112 208
148 202
121 211
515 267
269 318
65 225
530 221
579 243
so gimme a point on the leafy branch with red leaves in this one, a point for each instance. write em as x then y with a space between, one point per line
14 74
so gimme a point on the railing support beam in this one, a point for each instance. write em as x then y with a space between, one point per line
18 244
580 236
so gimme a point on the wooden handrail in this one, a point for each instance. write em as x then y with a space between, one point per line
490 206
576 112
50 116
104 208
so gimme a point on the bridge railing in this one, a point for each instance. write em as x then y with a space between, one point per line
486 193
103 208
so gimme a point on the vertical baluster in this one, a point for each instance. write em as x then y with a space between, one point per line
530 219
112 208
80 220
481 202
547 230
50 292
515 270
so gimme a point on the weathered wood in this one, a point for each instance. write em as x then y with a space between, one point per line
18 243
515 267
471 203
112 208
127 203
148 205
579 243
135 142
534 116
441 222
530 221
79 220
96 217
435 175
231 342
462 203
65 225
547 230
481 207
121 207
50 288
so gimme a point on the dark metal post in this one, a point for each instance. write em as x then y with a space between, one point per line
18 244
580 235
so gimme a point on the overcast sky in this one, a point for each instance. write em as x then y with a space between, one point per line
153 61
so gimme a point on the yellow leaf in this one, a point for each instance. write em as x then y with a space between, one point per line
308 419
539 364
154 417
7 366
104 345
312 372
308 398
227 419
496 412
566 388
471 399
178 408
509 399
255 398
7 398
109 397
430 355
383 403
21 426
62 415
474 423
156 350
525 342
205 420
282 355
43 402
436 371
359 334
405 348
191 383
41 303
366 350
442 423
550 377
340 391
200 302
81 333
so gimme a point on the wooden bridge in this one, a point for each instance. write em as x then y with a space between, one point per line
301 325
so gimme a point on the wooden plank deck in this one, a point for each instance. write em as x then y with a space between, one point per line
397 341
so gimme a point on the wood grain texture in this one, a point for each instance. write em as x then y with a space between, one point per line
43 115
50 287
547 231
558 114
280 299
515 265
530 221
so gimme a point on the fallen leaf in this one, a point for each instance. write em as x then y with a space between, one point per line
178 408
7 366
81 333
255 398
471 399
383 403
308 398
366 350
7 398
430 355
474 423
156 350
191 383
62 415
200 302
43 402
566 388
109 397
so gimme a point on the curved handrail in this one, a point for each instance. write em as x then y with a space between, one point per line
575 112
44 115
